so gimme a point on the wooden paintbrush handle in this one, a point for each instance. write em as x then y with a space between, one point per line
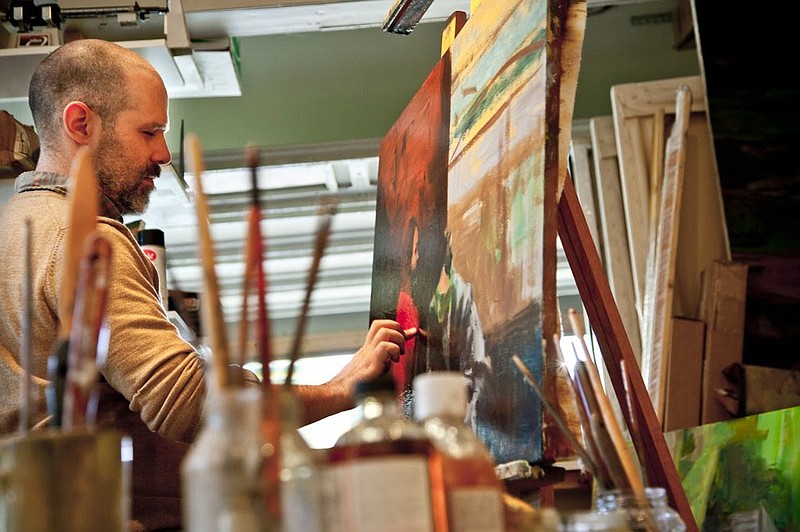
83 212
82 220
212 308
89 316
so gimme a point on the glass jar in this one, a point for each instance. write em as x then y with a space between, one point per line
593 521
220 475
660 514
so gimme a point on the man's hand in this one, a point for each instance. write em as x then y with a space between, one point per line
384 345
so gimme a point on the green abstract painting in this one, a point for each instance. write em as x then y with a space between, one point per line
741 465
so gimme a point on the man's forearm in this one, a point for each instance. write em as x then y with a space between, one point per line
384 343
317 402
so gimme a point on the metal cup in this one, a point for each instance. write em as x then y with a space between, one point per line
53 481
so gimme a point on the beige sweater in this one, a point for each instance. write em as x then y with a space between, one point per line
154 377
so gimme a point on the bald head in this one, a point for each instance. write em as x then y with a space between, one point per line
91 71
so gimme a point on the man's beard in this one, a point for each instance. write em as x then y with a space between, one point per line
120 180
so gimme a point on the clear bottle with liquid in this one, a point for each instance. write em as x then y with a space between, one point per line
220 475
380 475
473 491
300 472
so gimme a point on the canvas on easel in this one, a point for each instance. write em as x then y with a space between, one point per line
475 269
410 222
496 206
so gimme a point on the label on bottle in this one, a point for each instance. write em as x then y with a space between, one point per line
157 255
300 503
475 509
380 495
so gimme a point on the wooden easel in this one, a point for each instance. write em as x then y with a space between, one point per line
606 322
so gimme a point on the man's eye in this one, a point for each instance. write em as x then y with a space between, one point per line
149 133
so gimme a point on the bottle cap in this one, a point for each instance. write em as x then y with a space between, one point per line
440 393
150 237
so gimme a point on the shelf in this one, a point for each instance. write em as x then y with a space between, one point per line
208 72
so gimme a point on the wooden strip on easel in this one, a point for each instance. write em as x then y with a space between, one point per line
658 327
565 38
570 61
612 227
583 178
723 310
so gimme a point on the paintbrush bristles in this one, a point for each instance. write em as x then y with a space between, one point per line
251 156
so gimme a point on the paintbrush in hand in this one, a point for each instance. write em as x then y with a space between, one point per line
82 221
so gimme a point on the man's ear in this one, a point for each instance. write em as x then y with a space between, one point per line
80 123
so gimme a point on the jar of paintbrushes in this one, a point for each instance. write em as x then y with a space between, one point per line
70 481
653 515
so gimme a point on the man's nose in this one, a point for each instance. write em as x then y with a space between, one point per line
162 154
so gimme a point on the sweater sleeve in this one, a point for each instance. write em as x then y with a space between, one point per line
148 362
